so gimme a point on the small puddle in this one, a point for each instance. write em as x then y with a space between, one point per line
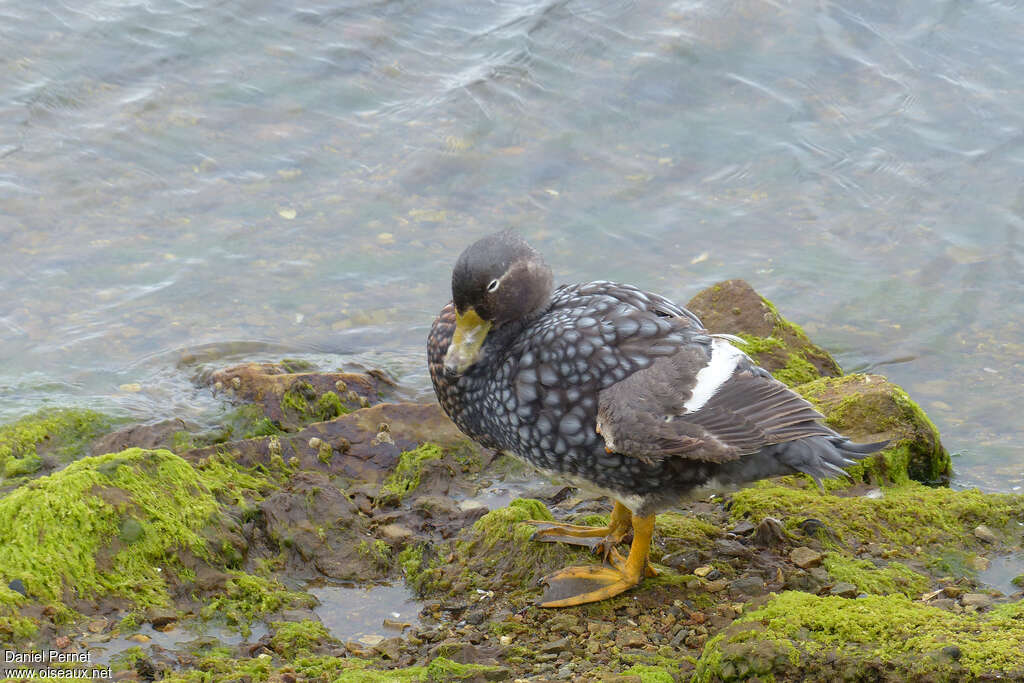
1001 571
178 638
359 612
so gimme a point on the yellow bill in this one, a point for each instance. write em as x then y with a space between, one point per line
470 332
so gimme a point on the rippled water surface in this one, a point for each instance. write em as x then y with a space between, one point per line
186 184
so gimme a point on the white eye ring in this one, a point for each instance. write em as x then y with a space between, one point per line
493 287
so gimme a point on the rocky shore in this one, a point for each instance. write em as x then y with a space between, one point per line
176 554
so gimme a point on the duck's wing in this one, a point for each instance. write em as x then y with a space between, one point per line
706 402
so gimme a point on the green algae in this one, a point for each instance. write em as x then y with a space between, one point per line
796 368
292 638
325 668
378 551
64 433
301 402
13 626
244 422
216 669
248 596
231 483
126 659
406 476
329 406
903 518
869 578
68 525
495 553
797 635
692 531
650 674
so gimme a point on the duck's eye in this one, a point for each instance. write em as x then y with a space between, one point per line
493 286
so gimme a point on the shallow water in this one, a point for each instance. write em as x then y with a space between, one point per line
184 185
366 614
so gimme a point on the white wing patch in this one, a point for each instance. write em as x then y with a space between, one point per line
724 358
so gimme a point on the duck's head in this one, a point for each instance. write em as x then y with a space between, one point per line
497 280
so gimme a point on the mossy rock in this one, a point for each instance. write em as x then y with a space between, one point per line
901 520
869 408
64 434
797 636
305 667
779 346
291 397
121 524
365 445
495 553
247 597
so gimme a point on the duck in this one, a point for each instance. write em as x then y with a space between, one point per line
618 390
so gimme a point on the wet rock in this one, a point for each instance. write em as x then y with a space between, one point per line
150 436
296 615
747 585
984 534
356 452
769 533
869 408
844 589
976 600
805 558
210 578
18 586
554 646
782 348
815 528
315 524
731 548
978 563
743 527
395 533
161 616
685 561
294 399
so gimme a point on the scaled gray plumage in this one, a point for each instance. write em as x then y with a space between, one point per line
612 386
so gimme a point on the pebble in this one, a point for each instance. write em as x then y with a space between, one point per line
703 571
747 585
98 625
743 527
976 600
630 638
978 563
984 534
844 589
555 645
731 548
805 558
952 591
716 585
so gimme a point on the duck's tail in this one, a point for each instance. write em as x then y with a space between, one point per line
824 457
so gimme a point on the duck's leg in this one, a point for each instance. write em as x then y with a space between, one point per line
580 585
597 538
